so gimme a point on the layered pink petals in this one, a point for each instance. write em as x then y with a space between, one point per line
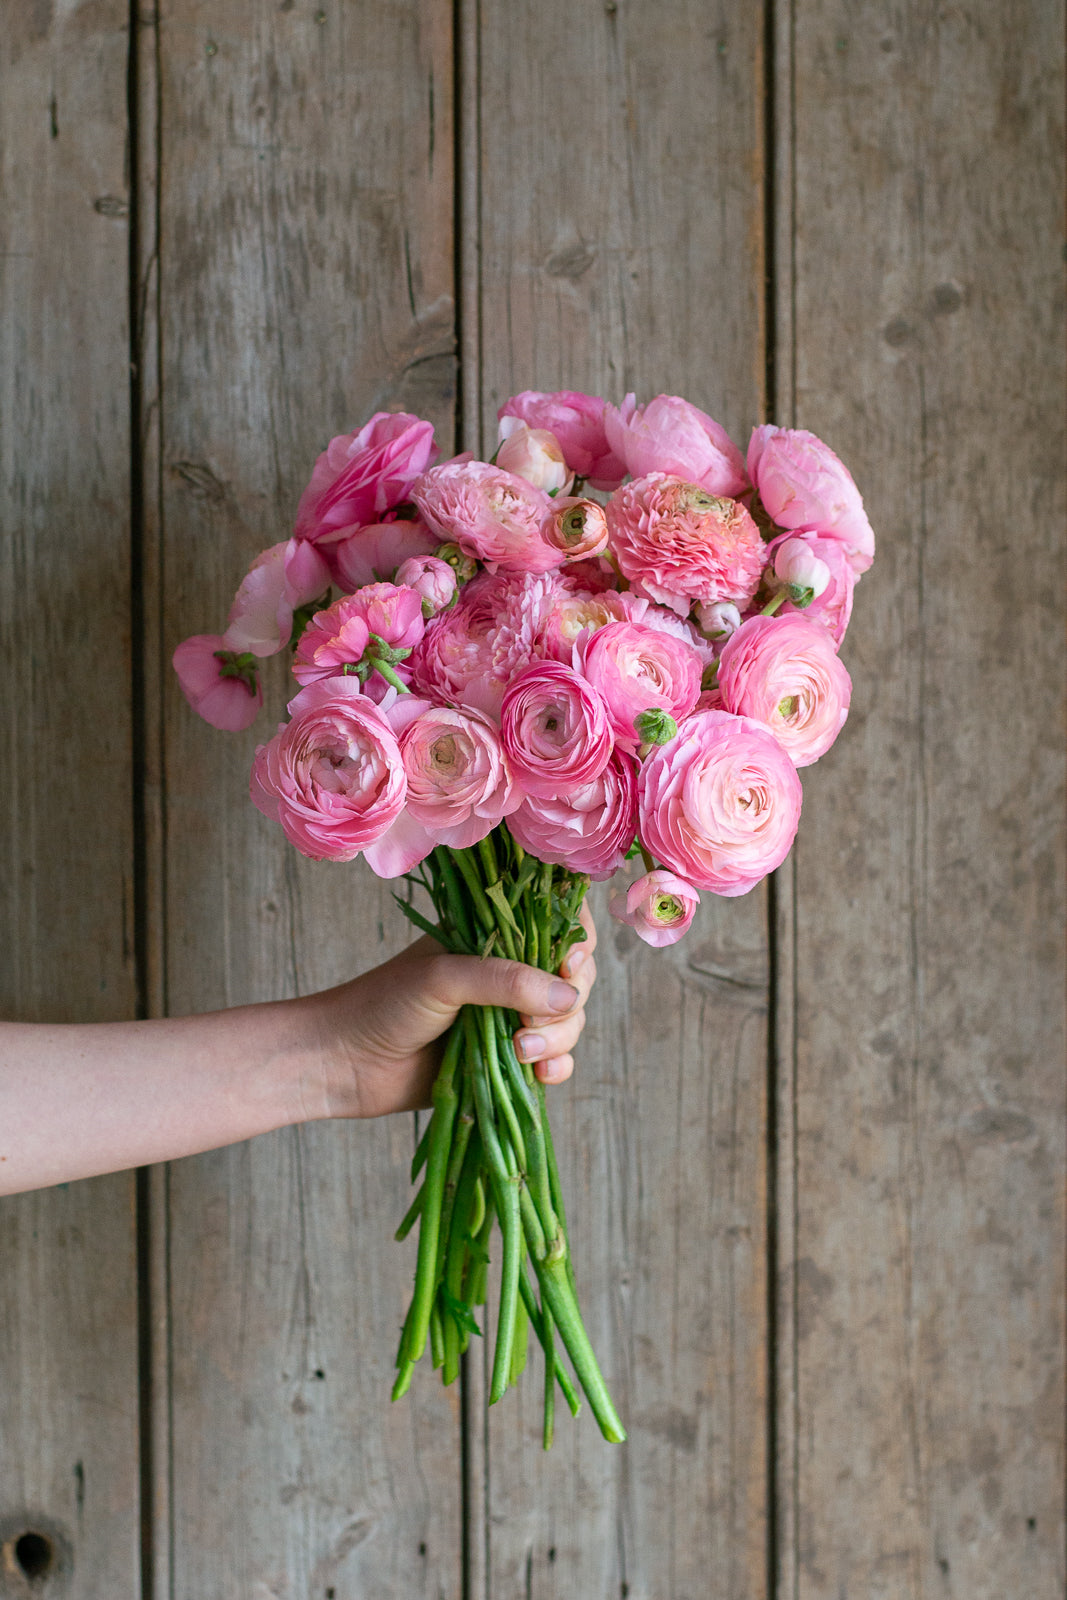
288 575
361 475
335 639
677 542
575 527
785 672
640 669
434 581
577 422
333 776
219 687
671 435
454 663
659 907
802 484
459 784
373 554
493 515
555 729
720 804
588 828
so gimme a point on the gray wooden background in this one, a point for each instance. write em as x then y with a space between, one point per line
815 1153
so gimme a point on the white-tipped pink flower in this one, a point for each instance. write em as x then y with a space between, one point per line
221 684
555 729
280 579
677 542
720 804
577 528
638 669
798 569
802 484
577 421
671 435
659 907
534 454
459 785
588 828
785 672
493 515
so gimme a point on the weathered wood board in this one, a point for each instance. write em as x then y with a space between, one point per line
68 1328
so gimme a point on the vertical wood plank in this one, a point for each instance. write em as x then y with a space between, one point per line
929 1030
306 281
68 1333
621 246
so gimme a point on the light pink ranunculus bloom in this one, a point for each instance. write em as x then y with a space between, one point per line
640 669
577 421
361 475
492 515
454 662
336 639
333 776
720 804
219 686
432 579
671 435
677 542
555 729
459 784
575 527
588 828
373 554
832 606
785 673
534 454
802 484
659 907
577 611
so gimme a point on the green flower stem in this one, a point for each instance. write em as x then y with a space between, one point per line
422 1150
483 910
461 1134
559 1299
506 1186
457 1256
390 676
541 1323
520 1083
774 602
549 1425
410 1216
437 1338
520 1338
487 1022
457 905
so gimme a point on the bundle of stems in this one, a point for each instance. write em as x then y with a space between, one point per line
486 1154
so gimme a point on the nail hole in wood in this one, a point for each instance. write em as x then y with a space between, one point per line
35 1555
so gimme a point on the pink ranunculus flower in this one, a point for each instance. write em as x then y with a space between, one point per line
671 435
555 729
374 554
336 639
677 542
492 515
588 828
459 783
220 686
280 579
802 484
454 663
433 580
361 475
576 612
575 527
659 907
832 605
333 776
638 669
534 454
720 804
785 673
577 421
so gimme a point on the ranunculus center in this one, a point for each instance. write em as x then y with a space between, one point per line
788 707
667 908
444 754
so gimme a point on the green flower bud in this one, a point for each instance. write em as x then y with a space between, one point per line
655 726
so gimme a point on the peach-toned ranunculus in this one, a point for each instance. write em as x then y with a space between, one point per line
577 421
802 484
588 827
555 729
533 454
720 804
221 684
785 672
459 783
575 527
659 907
492 515
361 475
640 669
671 435
677 542
280 579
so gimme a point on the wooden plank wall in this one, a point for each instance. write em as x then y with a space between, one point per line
816 1152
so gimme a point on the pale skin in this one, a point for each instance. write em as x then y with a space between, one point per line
81 1099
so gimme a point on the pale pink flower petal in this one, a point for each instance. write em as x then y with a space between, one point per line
671 435
785 672
492 515
577 421
533 454
373 554
639 669
803 484
588 828
555 729
678 543
285 576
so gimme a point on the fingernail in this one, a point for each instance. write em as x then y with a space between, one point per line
562 996
531 1046
574 961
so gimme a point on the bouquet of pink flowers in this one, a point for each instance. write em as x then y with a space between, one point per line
617 638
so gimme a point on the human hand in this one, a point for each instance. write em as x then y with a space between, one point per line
379 1034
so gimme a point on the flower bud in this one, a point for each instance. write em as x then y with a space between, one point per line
577 527
465 567
655 726
533 454
798 569
431 578
718 618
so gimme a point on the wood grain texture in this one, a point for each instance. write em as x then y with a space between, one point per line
928 1103
621 248
68 1330
306 281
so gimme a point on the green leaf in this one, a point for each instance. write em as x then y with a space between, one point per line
461 1315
